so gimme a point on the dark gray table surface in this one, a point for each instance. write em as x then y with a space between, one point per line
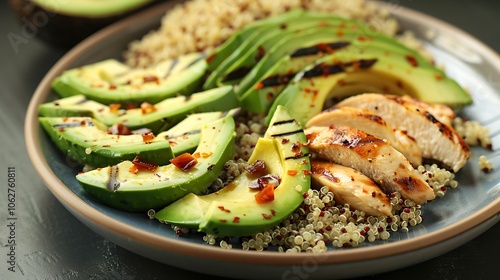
52 244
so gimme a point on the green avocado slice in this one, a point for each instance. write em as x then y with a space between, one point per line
111 81
166 113
234 210
243 58
343 74
88 142
115 186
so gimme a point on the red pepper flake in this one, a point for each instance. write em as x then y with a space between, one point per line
147 108
292 172
258 167
273 212
266 216
259 86
151 78
236 220
131 106
412 60
139 165
265 195
438 77
260 53
147 137
224 209
119 129
202 155
210 58
223 221
111 87
307 172
114 107
184 161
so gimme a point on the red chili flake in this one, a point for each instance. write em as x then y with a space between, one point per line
223 221
147 108
411 59
184 161
224 209
139 165
150 78
265 195
273 212
292 172
259 86
114 107
438 77
147 137
119 129
131 106
307 172
258 167
285 140
210 58
266 216
111 87
260 53
236 220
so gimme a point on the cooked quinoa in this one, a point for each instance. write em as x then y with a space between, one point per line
202 25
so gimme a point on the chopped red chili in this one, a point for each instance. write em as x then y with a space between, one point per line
147 108
147 137
114 107
184 161
140 164
265 195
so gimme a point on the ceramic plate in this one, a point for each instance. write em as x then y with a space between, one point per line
449 222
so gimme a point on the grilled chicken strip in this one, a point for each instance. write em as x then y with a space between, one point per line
372 124
372 156
437 140
350 186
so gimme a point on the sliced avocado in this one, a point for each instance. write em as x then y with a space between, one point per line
88 142
184 137
234 210
243 58
66 23
119 188
295 51
111 81
344 73
242 37
166 113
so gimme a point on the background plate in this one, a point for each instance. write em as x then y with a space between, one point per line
461 215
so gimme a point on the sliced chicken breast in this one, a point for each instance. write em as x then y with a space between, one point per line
352 187
437 140
372 124
372 156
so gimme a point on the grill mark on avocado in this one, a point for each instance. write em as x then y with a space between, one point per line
72 124
298 156
330 69
283 122
196 131
201 57
175 61
276 80
237 74
81 101
288 133
325 47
